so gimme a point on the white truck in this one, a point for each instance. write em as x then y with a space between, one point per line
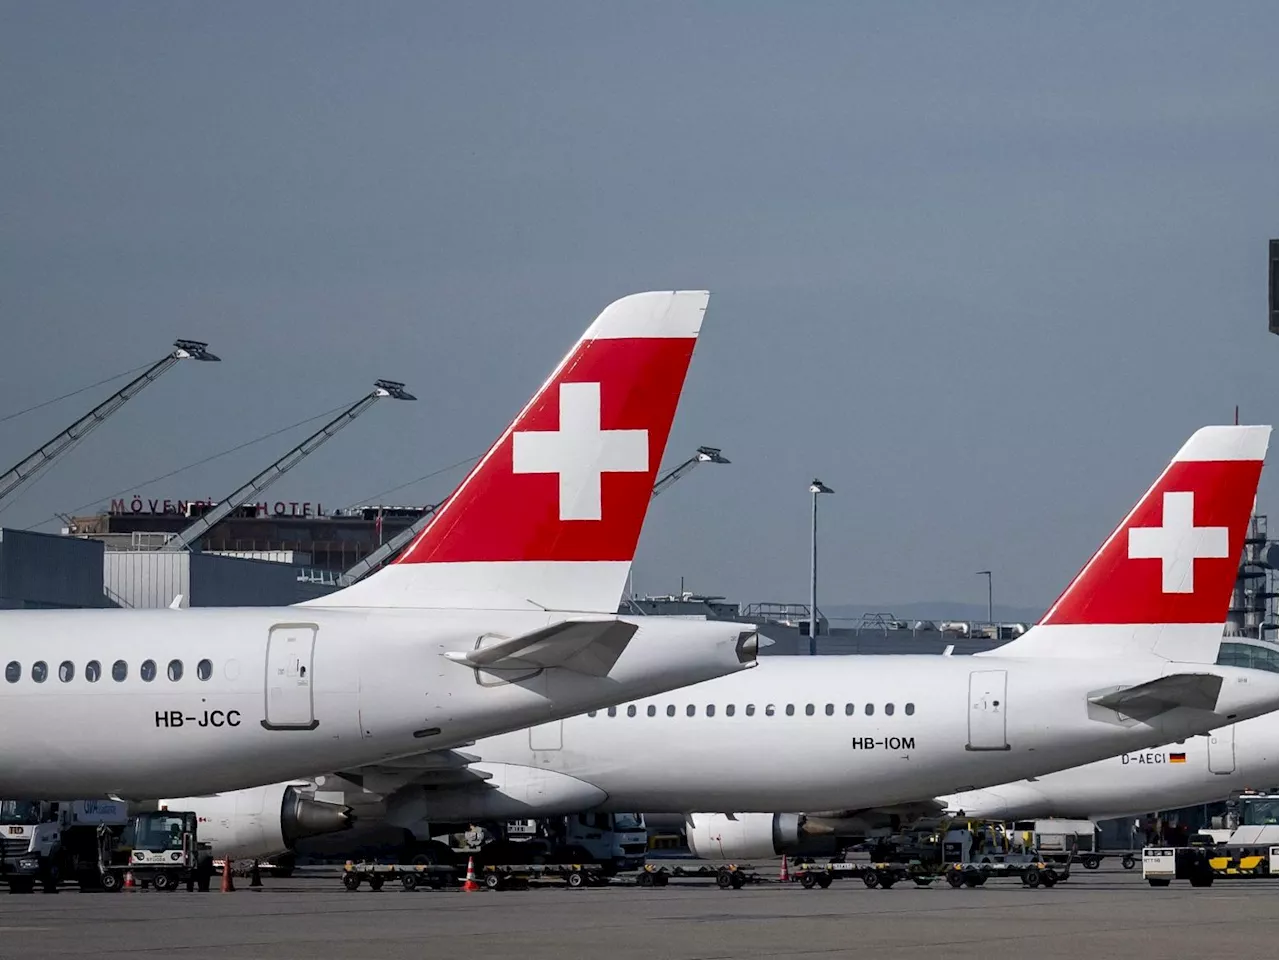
49 841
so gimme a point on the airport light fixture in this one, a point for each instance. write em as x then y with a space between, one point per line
815 488
990 609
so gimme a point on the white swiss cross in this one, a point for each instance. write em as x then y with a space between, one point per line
579 452
1178 543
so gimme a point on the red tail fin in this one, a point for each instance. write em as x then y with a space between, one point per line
1173 559
551 515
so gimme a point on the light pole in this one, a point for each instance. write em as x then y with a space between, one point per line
815 488
990 614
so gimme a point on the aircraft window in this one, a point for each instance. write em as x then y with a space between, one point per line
13 671
204 669
808 710
831 709
728 710
39 671
613 711
910 708
791 709
888 709
690 710
93 671
869 709
848 709
631 710
652 711
768 710
671 710
119 670
711 709
175 670
148 670
751 709
66 671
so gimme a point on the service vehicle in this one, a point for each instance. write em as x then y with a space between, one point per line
48 842
160 848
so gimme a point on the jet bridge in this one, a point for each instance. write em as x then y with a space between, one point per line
402 539
30 466
194 531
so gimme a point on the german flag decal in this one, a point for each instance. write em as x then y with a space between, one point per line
1177 758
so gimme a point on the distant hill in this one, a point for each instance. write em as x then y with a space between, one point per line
929 610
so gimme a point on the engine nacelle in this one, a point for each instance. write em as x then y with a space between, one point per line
262 821
742 836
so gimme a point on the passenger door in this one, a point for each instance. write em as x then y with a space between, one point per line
547 736
289 680
987 729
1222 750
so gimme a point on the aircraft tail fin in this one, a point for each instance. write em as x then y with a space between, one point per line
550 517
1161 583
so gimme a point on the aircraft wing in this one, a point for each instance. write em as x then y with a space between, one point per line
590 647
1196 690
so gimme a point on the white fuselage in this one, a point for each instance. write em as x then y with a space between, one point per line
1197 770
797 735
269 694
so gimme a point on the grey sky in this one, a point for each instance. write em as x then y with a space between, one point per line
981 267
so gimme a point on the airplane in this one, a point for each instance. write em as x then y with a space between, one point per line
1123 661
1203 769
501 613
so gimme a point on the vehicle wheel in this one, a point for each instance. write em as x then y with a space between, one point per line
955 878
645 879
110 881
723 880
375 883
493 881
922 881
1157 882
1031 878
351 881
973 880
824 882
1050 879
409 881
737 881
871 879
808 881
576 879
1201 880
1091 863
1128 862
162 881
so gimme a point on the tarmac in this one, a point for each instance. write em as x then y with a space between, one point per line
1096 914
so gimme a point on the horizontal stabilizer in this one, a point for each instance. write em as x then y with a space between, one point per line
590 647
1199 691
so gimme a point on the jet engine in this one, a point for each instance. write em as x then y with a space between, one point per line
261 821
741 836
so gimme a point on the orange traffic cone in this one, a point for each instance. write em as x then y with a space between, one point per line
129 882
784 874
469 885
227 885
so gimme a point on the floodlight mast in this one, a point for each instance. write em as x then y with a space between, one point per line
704 455
30 466
402 539
194 531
